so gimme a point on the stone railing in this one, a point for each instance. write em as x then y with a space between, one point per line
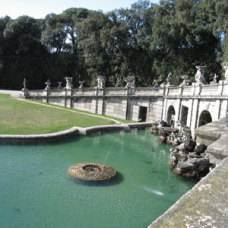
195 89
187 91
115 91
147 91
174 90
55 93
35 92
209 89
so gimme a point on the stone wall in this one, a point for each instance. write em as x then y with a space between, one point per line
185 103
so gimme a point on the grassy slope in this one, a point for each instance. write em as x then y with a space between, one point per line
18 117
111 117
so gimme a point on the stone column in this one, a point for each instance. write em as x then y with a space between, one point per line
220 87
195 115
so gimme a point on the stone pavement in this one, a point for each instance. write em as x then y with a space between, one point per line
206 205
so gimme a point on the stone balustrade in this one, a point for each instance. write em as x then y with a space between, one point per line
185 103
217 89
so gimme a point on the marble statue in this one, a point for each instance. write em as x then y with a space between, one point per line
69 84
59 85
24 85
47 83
101 82
215 79
130 80
199 76
81 84
186 81
168 79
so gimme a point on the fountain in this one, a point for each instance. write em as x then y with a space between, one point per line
91 172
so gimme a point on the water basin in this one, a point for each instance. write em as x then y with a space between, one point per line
36 190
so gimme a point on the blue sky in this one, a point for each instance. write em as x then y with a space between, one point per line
40 8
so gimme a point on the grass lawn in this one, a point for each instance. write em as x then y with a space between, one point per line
18 117
112 117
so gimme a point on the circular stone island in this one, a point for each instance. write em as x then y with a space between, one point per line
91 172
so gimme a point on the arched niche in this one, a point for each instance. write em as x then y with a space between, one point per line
205 118
170 114
184 115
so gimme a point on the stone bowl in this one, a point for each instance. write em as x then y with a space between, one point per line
91 172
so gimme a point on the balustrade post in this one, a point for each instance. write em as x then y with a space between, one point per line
220 87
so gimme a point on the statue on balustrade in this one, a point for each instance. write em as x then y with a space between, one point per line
157 82
59 85
130 80
225 66
24 85
69 84
186 81
81 84
168 79
199 76
101 82
48 85
215 79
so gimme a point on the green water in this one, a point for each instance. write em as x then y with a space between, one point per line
35 190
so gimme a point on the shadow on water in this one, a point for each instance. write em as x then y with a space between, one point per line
64 139
114 181
43 141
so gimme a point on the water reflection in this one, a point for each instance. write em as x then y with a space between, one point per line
114 181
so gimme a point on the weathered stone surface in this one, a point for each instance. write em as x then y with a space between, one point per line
200 148
91 172
193 155
203 206
211 132
184 167
218 150
216 135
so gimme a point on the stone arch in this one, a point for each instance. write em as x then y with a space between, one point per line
205 118
171 112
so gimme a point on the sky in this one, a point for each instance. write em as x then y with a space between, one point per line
40 8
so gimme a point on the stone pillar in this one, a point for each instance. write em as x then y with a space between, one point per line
164 108
65 100
71 98
225 66
96 103
195 115
218 107
220 87
180 90
197 88
178 110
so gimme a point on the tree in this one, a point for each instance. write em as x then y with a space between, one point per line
24 55
183 38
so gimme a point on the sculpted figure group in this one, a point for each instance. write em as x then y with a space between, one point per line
200 79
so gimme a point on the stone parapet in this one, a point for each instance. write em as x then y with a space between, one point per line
203 206
72 132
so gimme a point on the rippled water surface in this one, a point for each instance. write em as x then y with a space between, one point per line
35 190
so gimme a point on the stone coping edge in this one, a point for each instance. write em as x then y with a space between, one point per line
201 206
74 131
